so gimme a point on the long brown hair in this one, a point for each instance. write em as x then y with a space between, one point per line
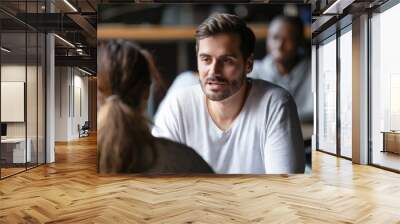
124 141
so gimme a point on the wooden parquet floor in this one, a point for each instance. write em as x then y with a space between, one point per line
10 171
70 191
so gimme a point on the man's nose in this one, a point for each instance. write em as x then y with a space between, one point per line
279 43
215 68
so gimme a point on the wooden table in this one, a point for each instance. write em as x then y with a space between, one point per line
391 141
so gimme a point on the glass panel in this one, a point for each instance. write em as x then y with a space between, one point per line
2 160
327 96
23 87
41 98
345 94
385 84
32 85
32 96
13 87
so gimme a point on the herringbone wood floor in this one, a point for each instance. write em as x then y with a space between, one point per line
70 191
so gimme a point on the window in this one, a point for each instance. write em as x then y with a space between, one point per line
385 89
346 92
327 96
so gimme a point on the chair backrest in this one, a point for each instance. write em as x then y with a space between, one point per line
86 124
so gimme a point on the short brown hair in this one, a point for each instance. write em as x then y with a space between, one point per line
227 23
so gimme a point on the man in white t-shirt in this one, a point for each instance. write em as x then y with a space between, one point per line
238 125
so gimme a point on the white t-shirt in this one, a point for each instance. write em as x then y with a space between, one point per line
297 82
264 138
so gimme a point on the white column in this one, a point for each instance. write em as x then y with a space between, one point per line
314 93
360 90
50 93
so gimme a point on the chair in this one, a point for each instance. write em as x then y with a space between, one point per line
84 130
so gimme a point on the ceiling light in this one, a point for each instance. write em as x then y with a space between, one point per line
337 7
80 51
331 7
70 5
86 72
65 41
5 50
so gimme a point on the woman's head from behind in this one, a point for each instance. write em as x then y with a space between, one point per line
124 78
124 71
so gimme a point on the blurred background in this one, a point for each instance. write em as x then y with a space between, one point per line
167 30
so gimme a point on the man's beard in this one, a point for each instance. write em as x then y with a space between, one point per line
231 88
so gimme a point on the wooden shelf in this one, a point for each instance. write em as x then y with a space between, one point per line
163 33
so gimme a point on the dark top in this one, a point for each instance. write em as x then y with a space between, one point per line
174 158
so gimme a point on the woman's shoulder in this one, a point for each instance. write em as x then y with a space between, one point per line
173 157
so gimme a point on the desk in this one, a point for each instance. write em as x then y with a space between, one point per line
391 141
13 150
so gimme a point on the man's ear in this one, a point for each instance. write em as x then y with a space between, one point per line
249 63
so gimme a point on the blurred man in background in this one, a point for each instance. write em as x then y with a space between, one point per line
286 64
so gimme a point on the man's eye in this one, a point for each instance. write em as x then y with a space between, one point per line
228 61
205 60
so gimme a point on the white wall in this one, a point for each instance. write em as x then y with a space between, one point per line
17 73
61 103
12 101
71 93
14 73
